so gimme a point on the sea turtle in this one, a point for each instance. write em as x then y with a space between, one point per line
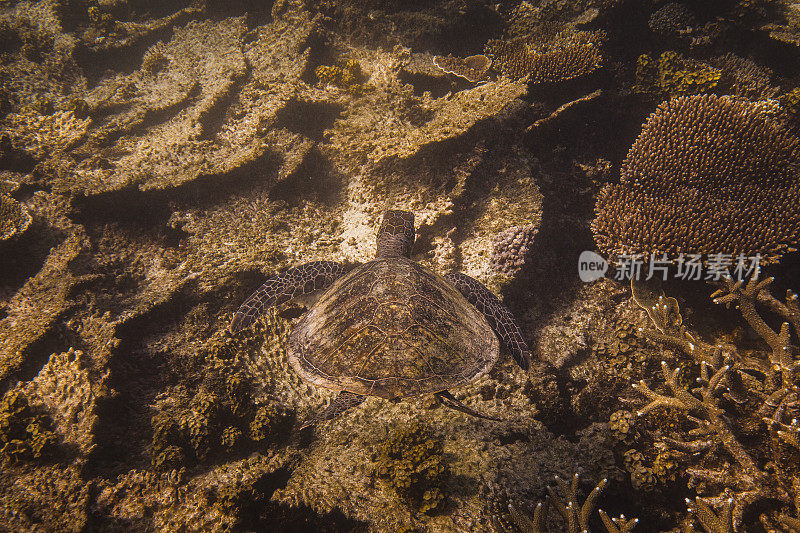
389 328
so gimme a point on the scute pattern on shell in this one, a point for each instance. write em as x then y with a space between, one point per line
392 329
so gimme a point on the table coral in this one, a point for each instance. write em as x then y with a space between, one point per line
570 54
706 175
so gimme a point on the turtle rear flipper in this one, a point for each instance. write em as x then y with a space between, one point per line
450 401
295 282
497 314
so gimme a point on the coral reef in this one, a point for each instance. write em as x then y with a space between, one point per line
159 160
723 184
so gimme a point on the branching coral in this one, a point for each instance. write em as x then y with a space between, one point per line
575 515
707 175
737 395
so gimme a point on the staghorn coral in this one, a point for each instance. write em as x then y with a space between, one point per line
707 175
570 54
739 394
574 514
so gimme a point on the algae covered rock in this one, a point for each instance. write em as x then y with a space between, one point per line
24 434
14 218
412 460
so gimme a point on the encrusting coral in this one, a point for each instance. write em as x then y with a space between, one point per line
24 434
221 418
673 75
346 75
14 218
412 460
707 175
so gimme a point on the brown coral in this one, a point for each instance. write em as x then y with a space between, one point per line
568 55
707 175
745 78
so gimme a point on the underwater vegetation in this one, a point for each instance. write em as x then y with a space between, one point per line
160 161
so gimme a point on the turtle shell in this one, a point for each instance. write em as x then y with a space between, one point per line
392 328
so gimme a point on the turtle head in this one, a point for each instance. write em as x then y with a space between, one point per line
396 234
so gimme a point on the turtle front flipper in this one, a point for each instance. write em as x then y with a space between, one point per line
343 401
450 401
296 281
497 314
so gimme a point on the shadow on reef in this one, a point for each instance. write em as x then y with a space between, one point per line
137 375
151 208
315 180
